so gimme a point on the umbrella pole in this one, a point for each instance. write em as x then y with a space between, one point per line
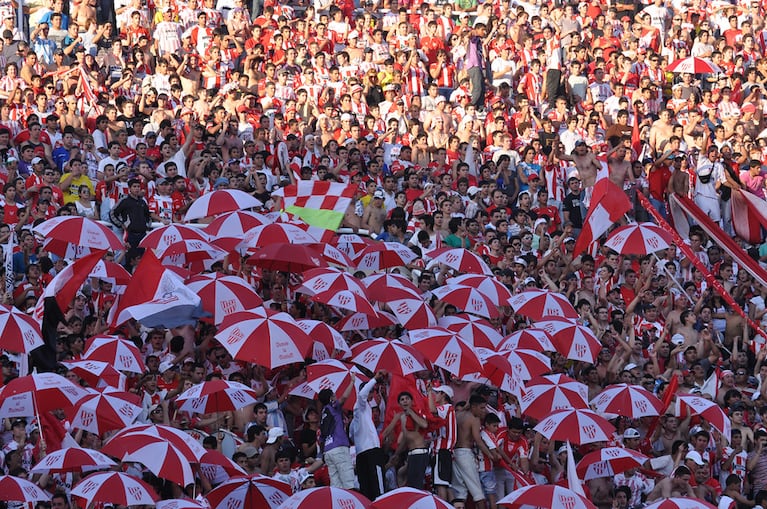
39 422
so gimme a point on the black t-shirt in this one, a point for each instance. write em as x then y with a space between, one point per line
572 204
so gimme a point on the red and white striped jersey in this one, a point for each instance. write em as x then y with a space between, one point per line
492 442
556 175
415 79
447 434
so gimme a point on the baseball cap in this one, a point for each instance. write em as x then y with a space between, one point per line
274 434
440 99
346 117
521 261
250 451
677 339
221 181
630 366
305 476
533 176
472 191
446 390
695 456
530 280
568 239
379 194
165 366
631 433
37 160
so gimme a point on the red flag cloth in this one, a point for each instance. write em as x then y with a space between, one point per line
608 205
749 215
52 431
636 139
400 384
65 285
141 289
668 395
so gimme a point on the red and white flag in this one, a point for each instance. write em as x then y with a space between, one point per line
65 285
608 205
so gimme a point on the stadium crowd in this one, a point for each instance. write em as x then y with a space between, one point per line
476 125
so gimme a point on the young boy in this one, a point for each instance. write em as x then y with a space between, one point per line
294 476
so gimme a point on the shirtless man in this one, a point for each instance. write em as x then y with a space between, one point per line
619 166
678 485
375 213
411 439
661 130
584 160
465 470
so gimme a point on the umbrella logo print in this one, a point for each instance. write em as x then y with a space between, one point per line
451 258
599 468
229 306
527 397
580 350
548 426
31 491
233 503
403 308
235 336
346 503
408 362
344 300
50 460
277 498
325 383
29 337
449 359
125 410
87 487
319 285
476 304
566 501
126 360
369 357
591 431
239 397
641 405
611 452
135 492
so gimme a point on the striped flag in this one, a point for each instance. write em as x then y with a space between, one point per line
318 203
88 96
9 274
608 205
65 285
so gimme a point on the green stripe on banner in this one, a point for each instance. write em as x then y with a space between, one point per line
321 218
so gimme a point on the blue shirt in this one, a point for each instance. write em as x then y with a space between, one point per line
333 421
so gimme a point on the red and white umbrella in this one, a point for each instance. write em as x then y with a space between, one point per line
577 426
628 400
410 498
271 341
351 243
184 442
574 341
680 503
548 393
346 299
97 374
38 392
233 225
538 303
383 255
100 412
323 280
477 330
608 461
124 355
506 370
223 295
460 260
288 257
548 496
80 231
488 285
468 299
389 287
530 339
328 342
16 489
72 459
639 239
250 492
332 254
19 332
217 468
275 233
165 236
394 356
185 252
110 271
413 313
216 396
114 488
444 348
326 497
361 321
180 503
693 65
220 202
160 457
707 409
336 376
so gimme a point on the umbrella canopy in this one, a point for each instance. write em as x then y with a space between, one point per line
220 202
383 255
328 342
72 459
351 243
608 461
100 412
361 321
335 375
394 356
537 304
488 285
165 236
444 348
179 503
271 341
327 497
459 259
16 489
184 442
388 287
110 271
250 492
680 503
574 341
19 332
705 408
410 498
185 252
124 355
545 496
275 233
413 313
217 468
97 374
233 225
114 488
346 299
216 396
287 257
468 299
525 364
628 400
576 426
223 295
332 254
38 392
155 453
79 231
529 339
329 280
477 330
548 393
639 238
693 65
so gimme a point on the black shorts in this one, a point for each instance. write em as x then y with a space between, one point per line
443 468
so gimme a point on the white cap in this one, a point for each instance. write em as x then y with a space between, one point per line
695 457
274 434
446 390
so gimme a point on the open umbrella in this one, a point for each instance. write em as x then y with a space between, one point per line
705 408
185 252
383 255
351 243
250 492
693 65
413 313
233 225
72 459
220 202
537 304
218 468
547 496
530 339
16 489
155 453
223 295
547 393
328 342
394 356
100 412
388 287
608 461
628 400
335 375
80 231
110 271
165 236
577 426
180 503
459 259
468 299
639 239
488 285
324 280
287 257
361 321
410 498
271 341
114 488
477 330
97 374
38 392
326 497
184 442
574 341
275 233
216 396
124 355
444 348
19 332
